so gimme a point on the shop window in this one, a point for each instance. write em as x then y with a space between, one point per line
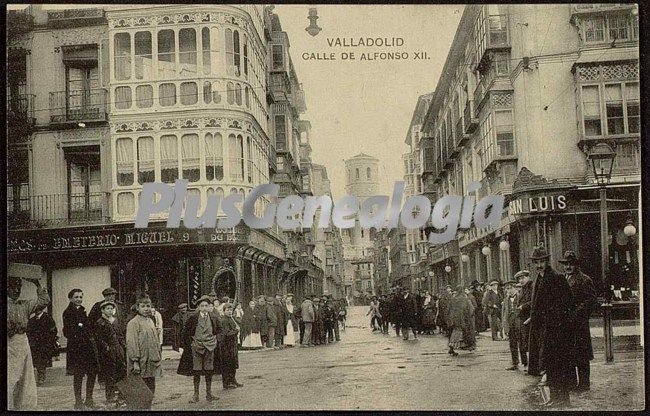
187 51
166 54
123 98
122 51
189 93
125 203
191 157
146 171
168 158
124 159
167 94
143 55
213 156
144 96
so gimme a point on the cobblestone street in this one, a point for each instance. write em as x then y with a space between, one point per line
377 372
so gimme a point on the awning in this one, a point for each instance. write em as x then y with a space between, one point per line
609 55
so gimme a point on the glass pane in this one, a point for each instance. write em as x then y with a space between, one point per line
122 46
125 203
614 107
124 161
144 96
122 98
205 45
590 101
189 93
191 157
166 54
143 57
207 92
167 94
145 160
187 51
168 158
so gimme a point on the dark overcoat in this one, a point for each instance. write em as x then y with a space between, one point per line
42 335
121 315
408 309
186 365
524 304
81 352
249 323
227 345
584 293
479 320
551 338
281 315
111 350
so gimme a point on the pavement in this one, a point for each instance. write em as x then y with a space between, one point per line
372 371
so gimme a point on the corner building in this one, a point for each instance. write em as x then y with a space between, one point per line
117 97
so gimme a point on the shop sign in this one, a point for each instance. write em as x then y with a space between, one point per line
60 240
537 204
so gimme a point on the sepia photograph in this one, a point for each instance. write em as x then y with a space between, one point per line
319 207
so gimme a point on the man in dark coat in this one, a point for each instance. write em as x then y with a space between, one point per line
262 321
179 320
396 310
384 310
408 312
478 298
584 293
42 335
552 338
524 302
492 308
282 315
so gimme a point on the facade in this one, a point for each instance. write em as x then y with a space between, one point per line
361 182
519 114
381 261
107 99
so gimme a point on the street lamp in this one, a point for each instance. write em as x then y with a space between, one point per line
630 229
601 157
486 250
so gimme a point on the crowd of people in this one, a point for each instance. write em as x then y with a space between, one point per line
543 315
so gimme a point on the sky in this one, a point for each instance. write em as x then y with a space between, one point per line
366 106
359 105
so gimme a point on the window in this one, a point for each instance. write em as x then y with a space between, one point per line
280 133
124 159
591 110
144 96
211 92
166 54
122 46
278 57
143 57
236 152
618 27
368 173
238 97
125 203
191 157
280 163
236 51
146 171
595 29
357 173
189 93
501 63
504 133
122 98
231 93
205 46
167 94
614 109
619 105
187 51
168 158
213 156
627 156
609 28
245 50
247 97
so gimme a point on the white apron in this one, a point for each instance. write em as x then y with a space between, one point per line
21 383
290 338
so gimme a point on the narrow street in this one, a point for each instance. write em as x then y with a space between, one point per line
377 372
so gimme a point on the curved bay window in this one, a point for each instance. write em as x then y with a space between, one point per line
213 156
191 157
236 151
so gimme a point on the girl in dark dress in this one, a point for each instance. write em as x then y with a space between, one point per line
228 348
112 351
81 353
42 335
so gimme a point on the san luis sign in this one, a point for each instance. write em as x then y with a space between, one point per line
538 204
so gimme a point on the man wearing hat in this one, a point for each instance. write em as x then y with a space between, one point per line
511 324
179 320
21 383
552 337
584 293
492 308
524 301
475 291
120 314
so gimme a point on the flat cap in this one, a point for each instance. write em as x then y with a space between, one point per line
106 303
182 305
522 273
109 291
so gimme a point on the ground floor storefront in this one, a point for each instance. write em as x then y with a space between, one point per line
172 265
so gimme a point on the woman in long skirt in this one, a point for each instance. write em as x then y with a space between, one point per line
290 337
250 331
459 323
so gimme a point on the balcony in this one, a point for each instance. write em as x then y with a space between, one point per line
19 22
579 9
58 210
20 116
494 36
87 106
470 121
75 18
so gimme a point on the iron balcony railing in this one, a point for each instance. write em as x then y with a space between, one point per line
58 210
21 106
78 106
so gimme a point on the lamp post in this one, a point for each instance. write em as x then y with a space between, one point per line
601 157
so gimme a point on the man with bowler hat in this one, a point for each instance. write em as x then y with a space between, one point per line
584 292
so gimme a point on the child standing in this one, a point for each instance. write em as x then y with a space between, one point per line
200 353
228 348
42 335
111 350
143 354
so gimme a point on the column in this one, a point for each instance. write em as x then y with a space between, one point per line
254 267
